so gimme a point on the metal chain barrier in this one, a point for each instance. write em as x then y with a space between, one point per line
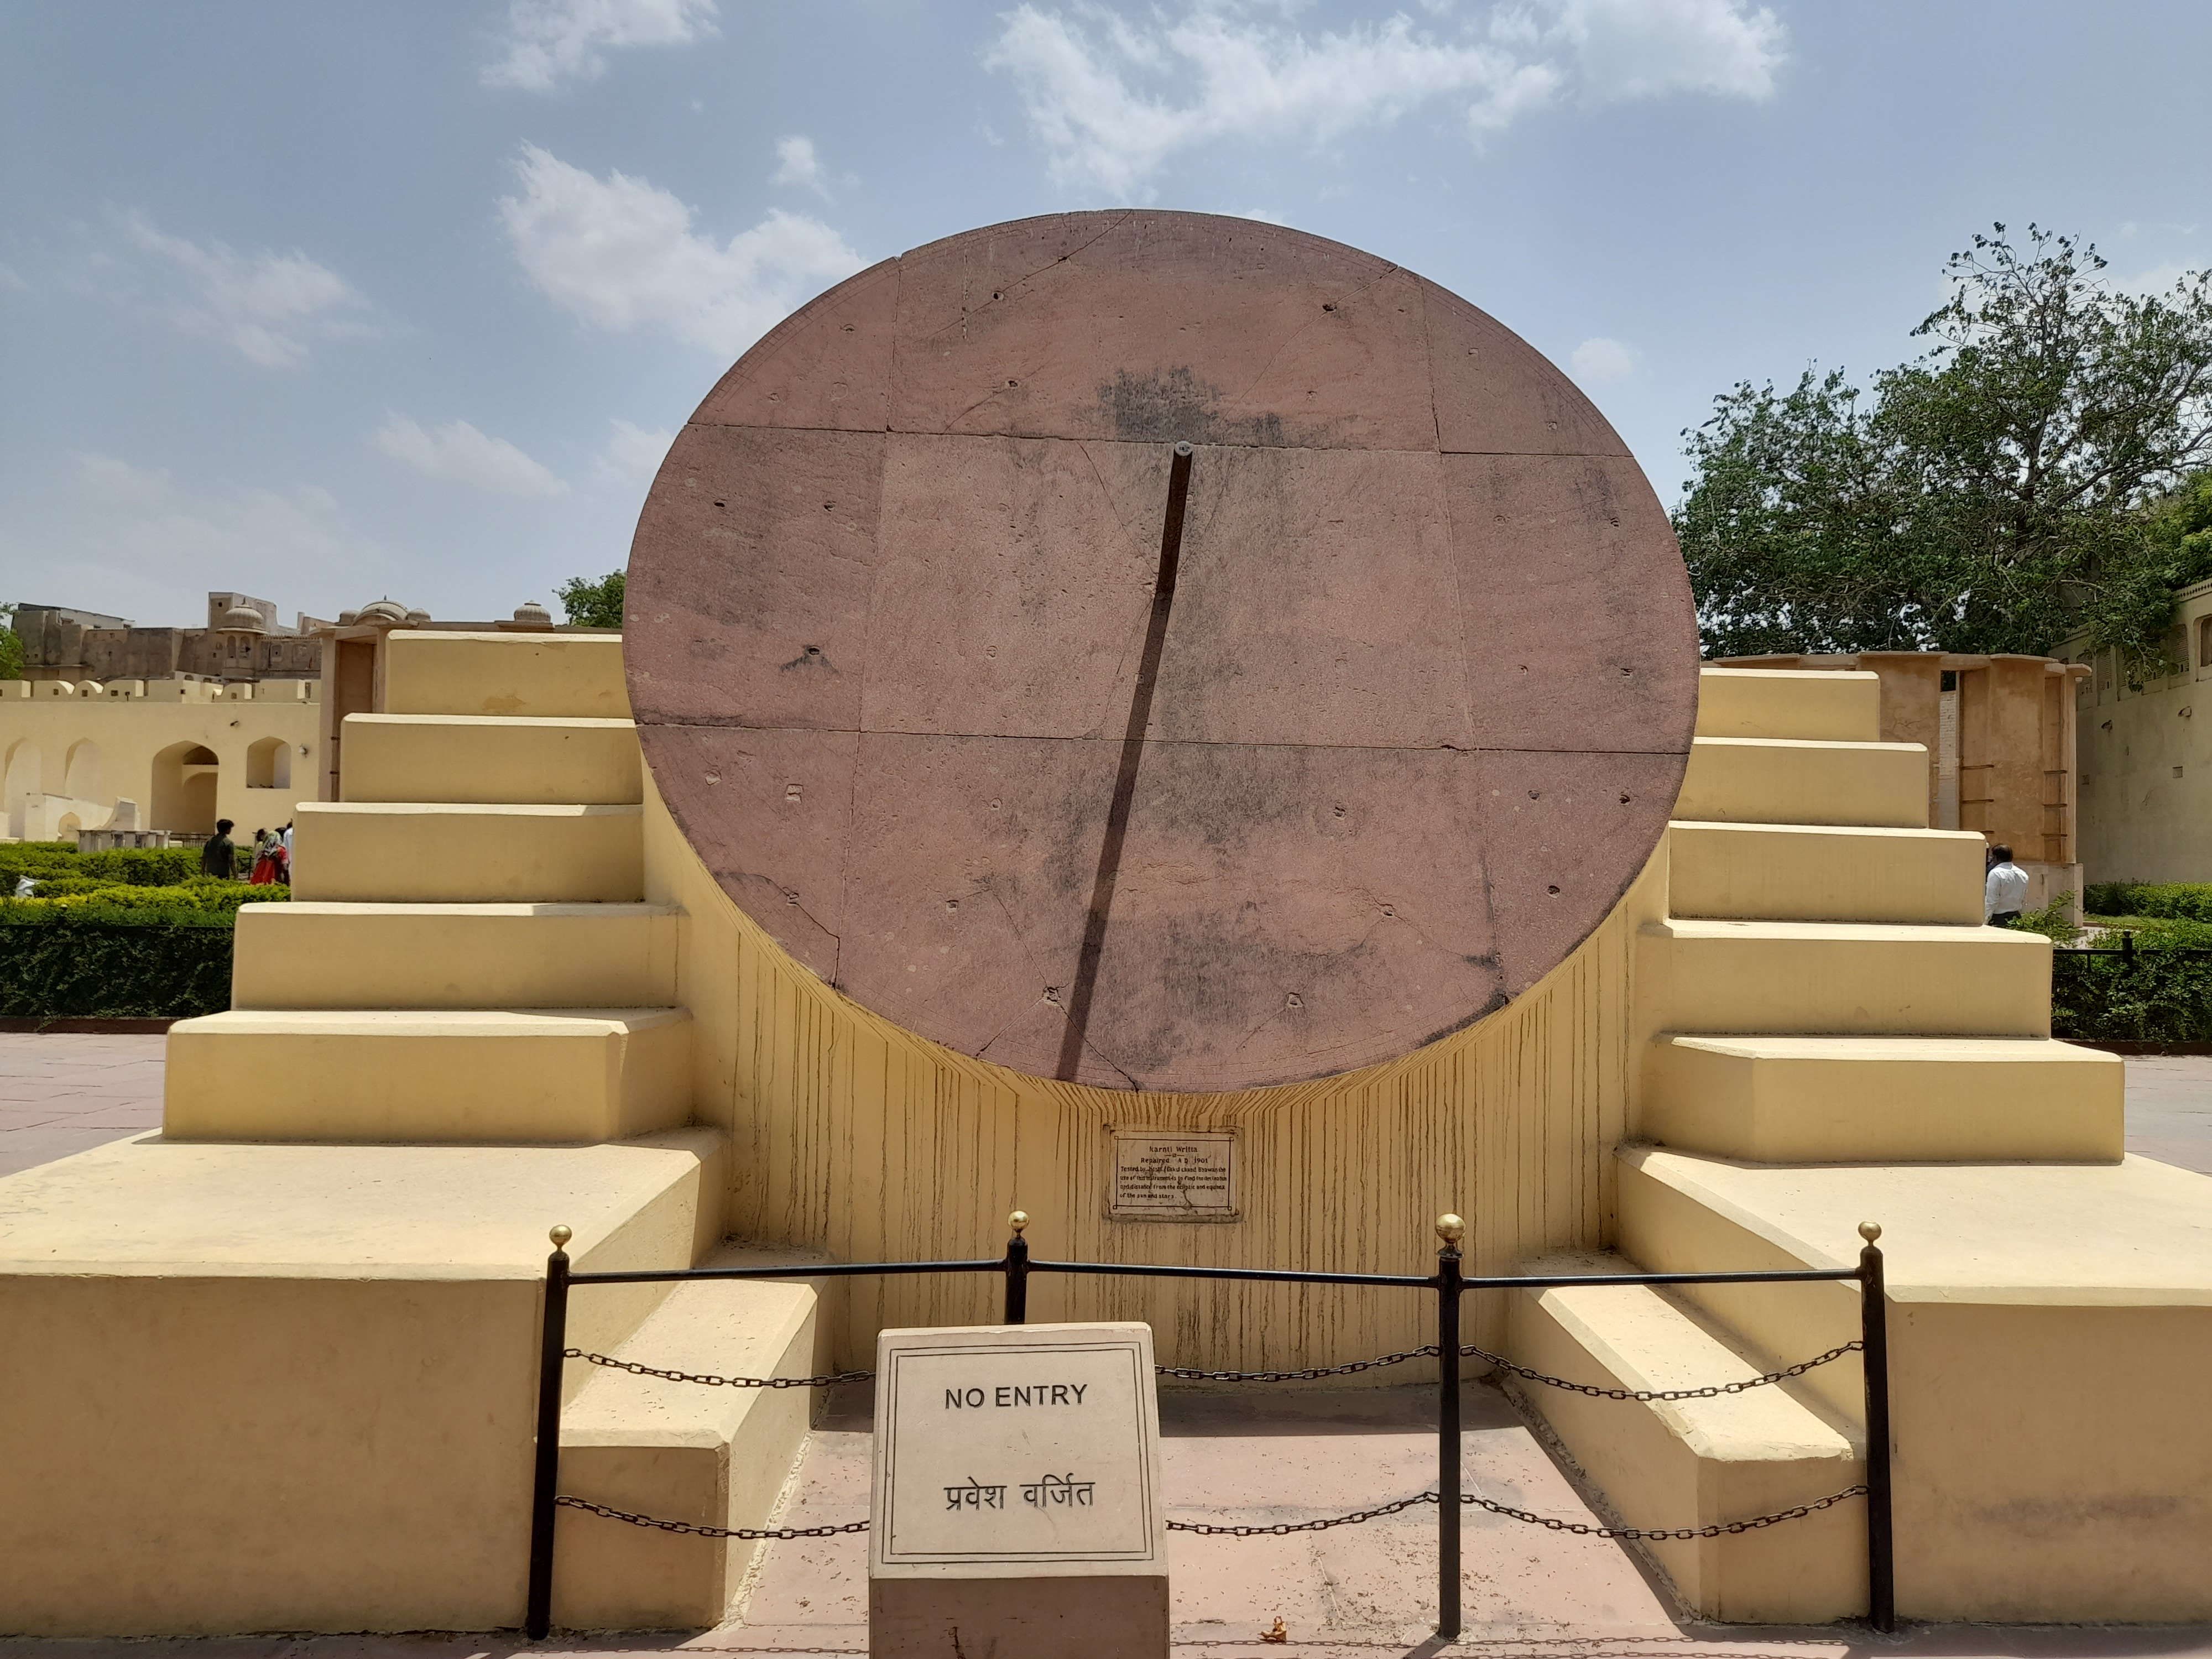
686 1527
1280 1528
1550 1523
710 1381
1186 1374
1189 1374
1553 1523
1712 1391
1285 1528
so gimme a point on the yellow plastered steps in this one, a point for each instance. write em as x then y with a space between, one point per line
1800 873
2050 1326
258 1388
1770 702
1788 780
1886 1099
305 955
480 758
1698 1462
350 852
536 675
459 1076
1736 977
712 1456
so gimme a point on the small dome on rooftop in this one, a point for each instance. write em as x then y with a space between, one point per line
381 613
531 611
243 619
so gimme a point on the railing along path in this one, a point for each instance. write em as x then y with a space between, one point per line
1449 1283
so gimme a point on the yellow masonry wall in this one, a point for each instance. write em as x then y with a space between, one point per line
855 1137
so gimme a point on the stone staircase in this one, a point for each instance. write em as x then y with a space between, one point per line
464 1030
1831 1035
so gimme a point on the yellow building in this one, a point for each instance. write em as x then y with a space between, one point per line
181 752
2146 764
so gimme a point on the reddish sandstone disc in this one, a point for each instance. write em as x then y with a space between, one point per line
1417 717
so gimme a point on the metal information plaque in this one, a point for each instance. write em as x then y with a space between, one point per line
1035 1444
1174 1175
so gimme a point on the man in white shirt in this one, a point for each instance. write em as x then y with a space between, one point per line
2004 890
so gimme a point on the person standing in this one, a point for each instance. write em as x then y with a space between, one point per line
2004 890
219 855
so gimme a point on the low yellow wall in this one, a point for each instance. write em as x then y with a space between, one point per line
853 1136
41 755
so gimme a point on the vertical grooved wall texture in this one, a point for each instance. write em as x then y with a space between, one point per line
856 1137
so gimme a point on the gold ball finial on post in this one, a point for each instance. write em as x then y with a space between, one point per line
1450 1228
560 1236
1869 1231
1019 1220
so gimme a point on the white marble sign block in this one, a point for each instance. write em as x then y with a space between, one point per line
1016 1503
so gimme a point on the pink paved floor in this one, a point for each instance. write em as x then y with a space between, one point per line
60 1095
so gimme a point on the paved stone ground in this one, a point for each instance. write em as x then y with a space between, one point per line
1367 1591
60 1095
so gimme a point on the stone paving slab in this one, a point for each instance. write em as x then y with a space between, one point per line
66 1094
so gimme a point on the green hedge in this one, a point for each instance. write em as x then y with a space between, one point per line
77 963
2158 995
123 866
190 900
2161 993
2170 901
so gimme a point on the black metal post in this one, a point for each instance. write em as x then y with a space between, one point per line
1451 1229
1874 1332
1017 1271
537 1618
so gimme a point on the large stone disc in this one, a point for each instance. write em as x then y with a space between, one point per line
1410 720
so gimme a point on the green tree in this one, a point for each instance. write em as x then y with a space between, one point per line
11 646
594 604
2027 478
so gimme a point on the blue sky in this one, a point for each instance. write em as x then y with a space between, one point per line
329 300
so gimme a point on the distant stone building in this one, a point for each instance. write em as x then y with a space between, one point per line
242 642
2000 735
2145 764
115 729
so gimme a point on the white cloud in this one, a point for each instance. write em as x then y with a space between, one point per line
1114 100
552 43
633 454
457 452
2158 281
798 164
621 253
1601 359
1649 48
137 543
267 305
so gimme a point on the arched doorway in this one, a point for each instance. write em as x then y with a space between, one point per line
21 780
185 776
84 772
269 764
